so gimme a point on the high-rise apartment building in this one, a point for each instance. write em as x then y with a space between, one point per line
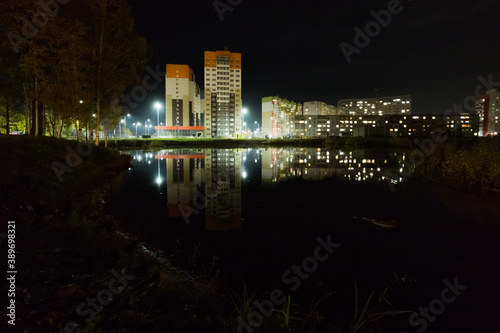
488 108
380 106
276 116
183 106
222 94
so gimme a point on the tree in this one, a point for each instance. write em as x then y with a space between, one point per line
83 51
119 56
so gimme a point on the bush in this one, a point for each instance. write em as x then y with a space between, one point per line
474 167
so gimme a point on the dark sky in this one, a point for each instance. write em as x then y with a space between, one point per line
433 50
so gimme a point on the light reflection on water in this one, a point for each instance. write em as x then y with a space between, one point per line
208 182
272 205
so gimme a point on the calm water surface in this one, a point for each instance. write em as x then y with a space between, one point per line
255 213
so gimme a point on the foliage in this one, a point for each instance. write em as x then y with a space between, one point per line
468 167
85 51
368 314
243 304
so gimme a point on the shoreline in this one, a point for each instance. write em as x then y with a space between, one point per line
70 251
334 142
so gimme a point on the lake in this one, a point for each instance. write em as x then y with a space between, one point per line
266 216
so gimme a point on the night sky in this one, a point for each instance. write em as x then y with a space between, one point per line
433 50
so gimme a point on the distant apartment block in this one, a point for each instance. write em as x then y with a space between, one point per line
488 110
313 126
276 115
379 106
318 108
222 94
456 125
376 117
183 105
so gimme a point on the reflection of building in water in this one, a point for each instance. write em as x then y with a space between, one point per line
222 189
319 163
275 163
184 180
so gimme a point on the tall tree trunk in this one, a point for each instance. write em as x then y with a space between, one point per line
105 136
97 121
37 123
59 125
99 67
27 111
7 114
78 122
36 112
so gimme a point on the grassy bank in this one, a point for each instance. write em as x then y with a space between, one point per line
212 143
69 250
468 164
334 142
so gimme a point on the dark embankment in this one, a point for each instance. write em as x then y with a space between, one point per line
467 164
212 143
69 253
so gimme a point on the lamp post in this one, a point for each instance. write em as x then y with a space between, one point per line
125 121
243 113
78 125
157 106
136 124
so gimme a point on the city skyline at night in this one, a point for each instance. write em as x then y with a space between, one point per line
434 51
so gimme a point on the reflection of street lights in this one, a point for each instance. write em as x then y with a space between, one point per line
157 106
158 179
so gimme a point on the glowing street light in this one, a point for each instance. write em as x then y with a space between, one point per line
244 111
125 121
136 124
158 106
257 127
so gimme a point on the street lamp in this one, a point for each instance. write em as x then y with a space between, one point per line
125 121
158 106
136 124
243 113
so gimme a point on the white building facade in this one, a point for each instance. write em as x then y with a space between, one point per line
223 100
